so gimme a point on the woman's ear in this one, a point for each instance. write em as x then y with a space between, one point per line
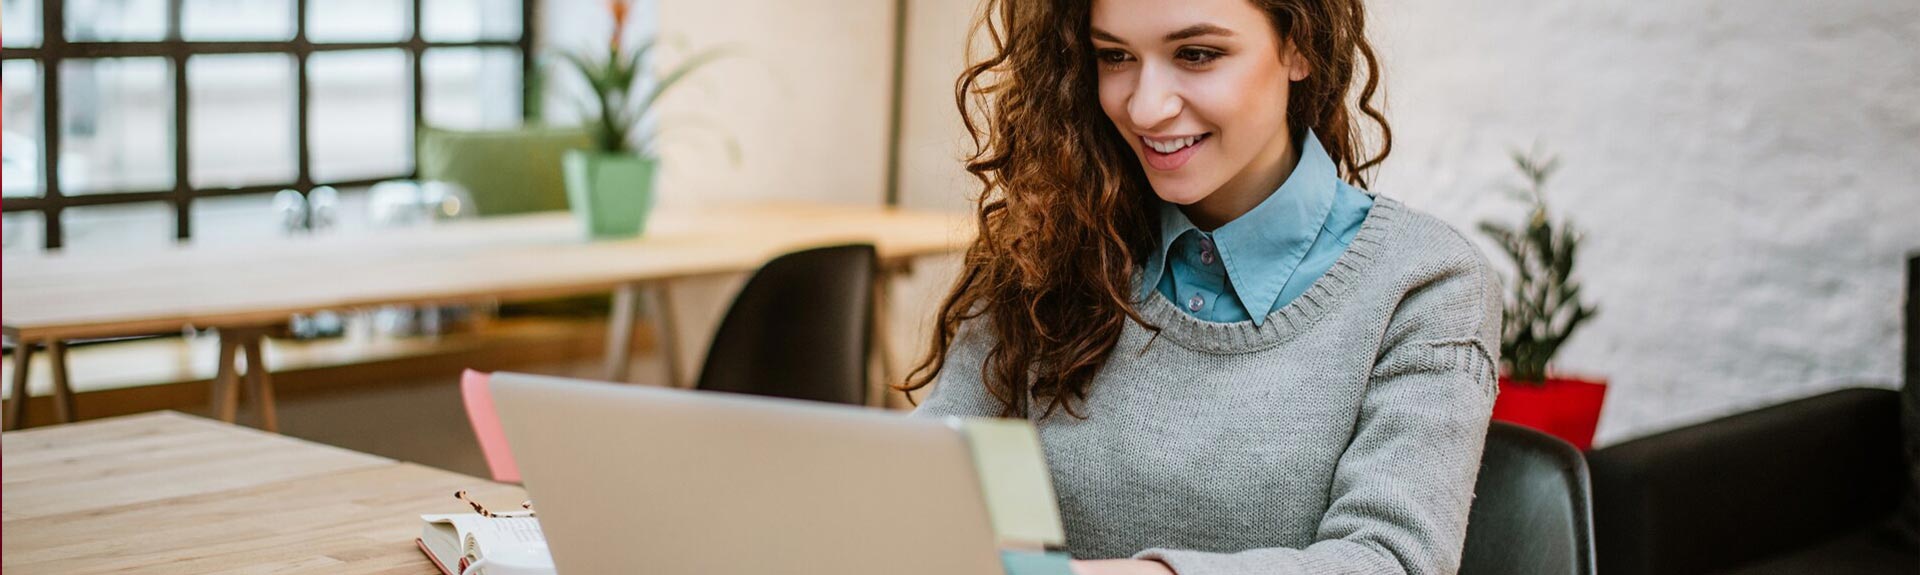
1296 63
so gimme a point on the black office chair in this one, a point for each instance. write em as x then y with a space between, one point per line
800 329
1532 511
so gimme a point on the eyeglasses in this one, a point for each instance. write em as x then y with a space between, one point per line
482 509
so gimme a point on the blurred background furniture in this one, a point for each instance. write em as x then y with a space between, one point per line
65 408
241 290
477 398
63 403
1532 511
800 329
506 172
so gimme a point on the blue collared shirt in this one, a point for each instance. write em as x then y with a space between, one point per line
1266 257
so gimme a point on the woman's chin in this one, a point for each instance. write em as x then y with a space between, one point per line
1180 193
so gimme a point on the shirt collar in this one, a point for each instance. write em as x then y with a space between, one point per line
1262 248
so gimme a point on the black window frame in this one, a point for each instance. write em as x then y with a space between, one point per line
54 48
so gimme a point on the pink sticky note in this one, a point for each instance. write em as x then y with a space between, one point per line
486 426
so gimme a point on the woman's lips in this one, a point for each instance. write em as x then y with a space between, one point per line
1167 162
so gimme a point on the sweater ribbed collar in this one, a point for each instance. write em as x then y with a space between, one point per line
1327 292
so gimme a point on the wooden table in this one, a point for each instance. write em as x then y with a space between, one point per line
170 493
50 298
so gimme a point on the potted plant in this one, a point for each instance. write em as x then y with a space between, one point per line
610 186
1543 309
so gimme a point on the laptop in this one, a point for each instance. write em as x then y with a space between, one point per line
634 479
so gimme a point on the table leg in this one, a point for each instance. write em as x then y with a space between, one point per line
17 405
878 348
668 335
260 382
889 362
225 396
626 304
62 388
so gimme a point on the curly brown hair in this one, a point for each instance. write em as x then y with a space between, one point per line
1065 213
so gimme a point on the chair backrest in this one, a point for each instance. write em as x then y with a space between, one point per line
1913 322
800 329
1532 508
486 427
1909 522
506 172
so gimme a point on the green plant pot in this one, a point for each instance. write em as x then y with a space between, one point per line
610 193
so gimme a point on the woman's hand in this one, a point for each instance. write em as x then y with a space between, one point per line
1121 567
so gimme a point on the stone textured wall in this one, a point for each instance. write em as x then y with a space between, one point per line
1748 174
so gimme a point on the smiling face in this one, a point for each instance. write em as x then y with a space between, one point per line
1199 90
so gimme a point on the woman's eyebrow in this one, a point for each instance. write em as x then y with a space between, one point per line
1198 30
1193 31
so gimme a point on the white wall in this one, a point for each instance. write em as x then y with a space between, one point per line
933 139
807 99
804 93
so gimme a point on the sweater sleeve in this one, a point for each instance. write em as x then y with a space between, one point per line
1403 487
960 389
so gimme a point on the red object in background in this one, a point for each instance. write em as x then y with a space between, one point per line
1565 408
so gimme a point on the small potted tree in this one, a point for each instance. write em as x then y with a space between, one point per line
610 186
1543 309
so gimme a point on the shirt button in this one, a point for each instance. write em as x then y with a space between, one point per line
1195 304
1206 257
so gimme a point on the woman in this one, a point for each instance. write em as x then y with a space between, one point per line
1238 361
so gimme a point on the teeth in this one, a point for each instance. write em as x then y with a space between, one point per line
1171 146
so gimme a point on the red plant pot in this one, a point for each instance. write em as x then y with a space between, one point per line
1565 408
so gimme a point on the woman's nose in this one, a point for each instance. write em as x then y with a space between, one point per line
1155 99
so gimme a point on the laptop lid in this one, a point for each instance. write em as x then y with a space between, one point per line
642 479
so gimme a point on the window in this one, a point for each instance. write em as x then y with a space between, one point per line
123 119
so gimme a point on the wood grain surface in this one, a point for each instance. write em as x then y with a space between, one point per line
171 493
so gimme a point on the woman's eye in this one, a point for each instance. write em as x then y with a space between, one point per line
1196 55
1112 57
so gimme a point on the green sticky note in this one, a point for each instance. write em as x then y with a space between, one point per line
1015 482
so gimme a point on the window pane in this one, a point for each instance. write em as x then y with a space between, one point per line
472 88
23 231
467 20
109 20
116 125
358 20
232 220
237 20
22 173
360 123
117 227
242 118
20 22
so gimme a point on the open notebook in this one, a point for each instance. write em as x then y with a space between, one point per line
455 540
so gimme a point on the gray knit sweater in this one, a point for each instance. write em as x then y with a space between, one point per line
1343 436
